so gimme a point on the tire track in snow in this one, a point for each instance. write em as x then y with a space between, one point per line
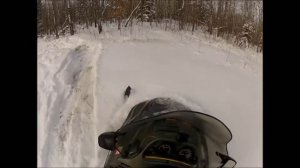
82 138
59 114
69 130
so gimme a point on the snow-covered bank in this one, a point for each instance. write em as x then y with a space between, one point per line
66 84
81 80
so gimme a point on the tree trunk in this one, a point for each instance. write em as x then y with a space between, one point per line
71 24
54 19
119 23
131 14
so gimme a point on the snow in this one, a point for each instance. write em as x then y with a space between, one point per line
81 80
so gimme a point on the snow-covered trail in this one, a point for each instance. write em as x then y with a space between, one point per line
81 80
223 84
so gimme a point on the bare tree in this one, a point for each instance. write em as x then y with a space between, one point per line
71 24
117 10
54 14
133 12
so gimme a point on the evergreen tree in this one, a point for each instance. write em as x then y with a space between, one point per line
146 11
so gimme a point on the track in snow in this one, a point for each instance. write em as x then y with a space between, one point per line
67 130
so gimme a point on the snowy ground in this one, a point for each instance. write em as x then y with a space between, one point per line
81 79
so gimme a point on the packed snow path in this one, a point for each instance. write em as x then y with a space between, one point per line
82 79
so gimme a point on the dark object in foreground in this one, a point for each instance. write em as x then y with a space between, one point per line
164 133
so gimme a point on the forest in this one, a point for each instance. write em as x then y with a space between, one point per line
237 21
